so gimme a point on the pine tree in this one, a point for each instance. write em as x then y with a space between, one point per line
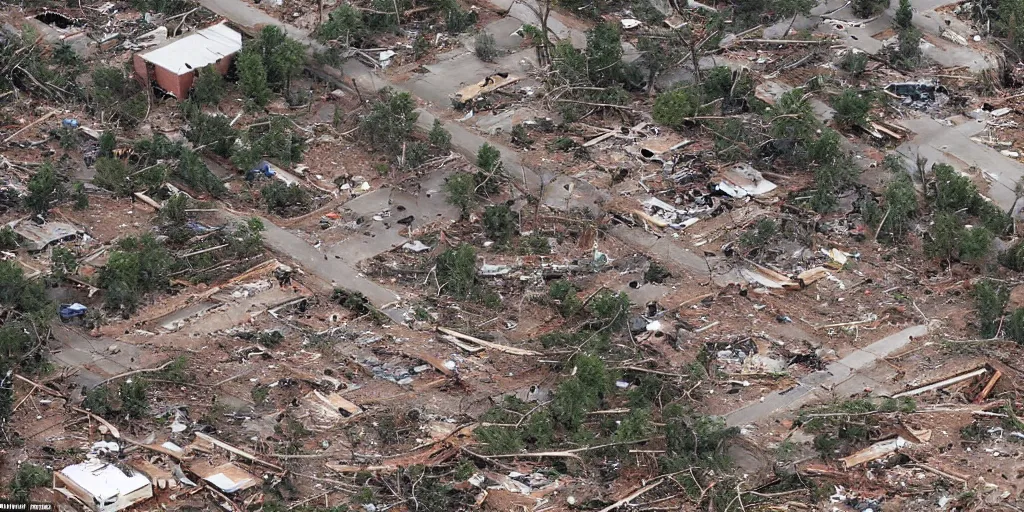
252 77
209 86
904 14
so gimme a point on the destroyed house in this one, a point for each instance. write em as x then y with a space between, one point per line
173 65
99 487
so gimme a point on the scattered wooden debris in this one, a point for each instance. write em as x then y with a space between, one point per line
943 383
487 344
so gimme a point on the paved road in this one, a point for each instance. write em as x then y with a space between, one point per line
328 273
93 357
845 377
953 145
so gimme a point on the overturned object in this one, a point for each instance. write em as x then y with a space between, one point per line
40 236
100 487
228 477
489 84
917 91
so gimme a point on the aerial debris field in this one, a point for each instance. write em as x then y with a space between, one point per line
512 255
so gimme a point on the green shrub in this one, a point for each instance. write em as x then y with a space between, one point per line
488 158
868 8
656 273
192 170
900 204
344 25
108 143
212 132
500 223
138 266
675 108
1014 327
460 189
456 271
974 244
44 189
28 476
8 239
851 108
79 197
116 98
569 302
1013 258
990 300
904 14
134 398
694 440
62 263
908 48
390 121
610 310
209 86
520 136
486 47
581 393
285 200
439 138
97 400
252 77
854 63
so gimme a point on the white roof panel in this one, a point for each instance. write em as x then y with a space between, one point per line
199 49
104 481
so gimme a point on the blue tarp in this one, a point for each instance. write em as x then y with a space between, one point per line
72 310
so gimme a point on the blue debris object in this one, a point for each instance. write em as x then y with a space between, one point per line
197 227
70 123
68 311
263 169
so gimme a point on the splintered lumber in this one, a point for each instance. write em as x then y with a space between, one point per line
429 359
650 219
33 123
875 451
988 387
135 372
266 266
634 495
429 454
221 444
148 200
942 383
487 344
